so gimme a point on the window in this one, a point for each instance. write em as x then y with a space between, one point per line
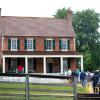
65 64
49 44
29 44
13 44
64 44
13 67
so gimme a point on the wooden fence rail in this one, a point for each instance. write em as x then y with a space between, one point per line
27 91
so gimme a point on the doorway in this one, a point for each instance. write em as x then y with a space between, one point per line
49 68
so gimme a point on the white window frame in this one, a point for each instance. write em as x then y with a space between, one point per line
32 44
52 44
12 45
66 44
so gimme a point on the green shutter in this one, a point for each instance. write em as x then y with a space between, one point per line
25 43
68 42
34 44
53 44
60 44
18 44
9 43
44 44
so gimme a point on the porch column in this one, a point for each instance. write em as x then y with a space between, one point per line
82 63
3 64
61 64
44 65
26 65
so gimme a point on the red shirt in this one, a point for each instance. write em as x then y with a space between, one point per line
20 68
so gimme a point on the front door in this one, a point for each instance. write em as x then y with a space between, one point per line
50 68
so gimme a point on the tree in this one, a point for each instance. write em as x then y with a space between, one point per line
86 24
61 13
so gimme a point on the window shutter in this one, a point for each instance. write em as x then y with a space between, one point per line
68 43
18 44
34 44
45 44
60 44
25 43
53 44
9 43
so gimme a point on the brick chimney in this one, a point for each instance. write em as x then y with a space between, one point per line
69 17
0 11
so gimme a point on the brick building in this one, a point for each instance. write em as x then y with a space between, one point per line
41 45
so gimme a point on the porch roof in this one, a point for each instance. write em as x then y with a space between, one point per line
40 53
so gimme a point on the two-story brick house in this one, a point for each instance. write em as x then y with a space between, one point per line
41 45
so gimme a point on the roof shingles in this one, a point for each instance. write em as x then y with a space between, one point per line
35 26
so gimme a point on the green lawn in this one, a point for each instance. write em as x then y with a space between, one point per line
15 89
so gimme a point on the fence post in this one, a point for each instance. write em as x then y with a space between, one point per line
27 87
75 88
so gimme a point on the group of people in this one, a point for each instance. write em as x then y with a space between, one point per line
86 77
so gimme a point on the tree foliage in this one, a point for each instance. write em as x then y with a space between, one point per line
61 13
86 24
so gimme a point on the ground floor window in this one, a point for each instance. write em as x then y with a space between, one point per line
31 65
65 64
13 67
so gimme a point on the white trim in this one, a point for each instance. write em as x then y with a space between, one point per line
32 44
36 56
26 65
82 64
52 44
12 42
3 64
49 38
44 65
61 64
65 39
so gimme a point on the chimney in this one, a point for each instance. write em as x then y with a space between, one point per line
69 17
0 11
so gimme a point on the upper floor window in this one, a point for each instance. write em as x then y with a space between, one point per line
49 44
30 44
64 44
13 44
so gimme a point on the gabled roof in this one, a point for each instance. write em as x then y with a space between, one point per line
35 26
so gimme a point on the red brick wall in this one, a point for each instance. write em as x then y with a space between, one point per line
39 65
73 65
56 65
72 44
39 43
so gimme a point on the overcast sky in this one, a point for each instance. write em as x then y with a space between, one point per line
44 8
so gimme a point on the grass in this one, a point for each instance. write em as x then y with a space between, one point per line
5 89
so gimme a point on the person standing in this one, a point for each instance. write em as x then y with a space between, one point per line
20 69
83 78
95 80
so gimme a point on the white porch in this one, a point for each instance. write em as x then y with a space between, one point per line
44 57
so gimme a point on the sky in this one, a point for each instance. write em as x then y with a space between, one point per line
44 8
